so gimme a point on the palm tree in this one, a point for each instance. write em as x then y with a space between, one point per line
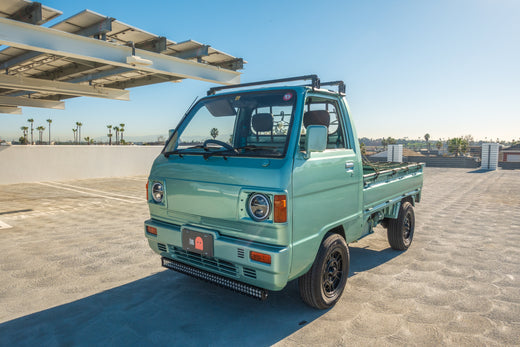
78 127
214 133
122 130
30 120
427 138
49 121
116 128
89 140
24 131
74 130
40 130
109 135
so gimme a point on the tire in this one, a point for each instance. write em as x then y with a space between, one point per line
400 231
322 286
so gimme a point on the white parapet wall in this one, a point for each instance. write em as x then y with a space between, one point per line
20 164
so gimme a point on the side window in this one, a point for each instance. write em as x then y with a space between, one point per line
323 111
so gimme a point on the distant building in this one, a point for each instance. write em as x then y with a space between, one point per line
511 154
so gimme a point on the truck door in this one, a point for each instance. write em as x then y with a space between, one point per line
327 186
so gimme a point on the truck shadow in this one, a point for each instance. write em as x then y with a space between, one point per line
166 308
363 259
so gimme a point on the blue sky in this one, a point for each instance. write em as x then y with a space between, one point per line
447 68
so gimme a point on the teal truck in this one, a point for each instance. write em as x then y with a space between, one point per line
260 186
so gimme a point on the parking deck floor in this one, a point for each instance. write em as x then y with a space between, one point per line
75 269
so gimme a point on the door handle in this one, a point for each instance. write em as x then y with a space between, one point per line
349 166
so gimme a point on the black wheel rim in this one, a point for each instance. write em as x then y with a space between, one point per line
407 228
333 273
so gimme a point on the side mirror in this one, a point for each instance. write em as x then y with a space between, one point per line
315 139
170 132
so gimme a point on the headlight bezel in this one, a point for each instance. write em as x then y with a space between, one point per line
157 192
265 209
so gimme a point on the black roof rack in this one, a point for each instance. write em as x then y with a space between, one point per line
315 83
341 86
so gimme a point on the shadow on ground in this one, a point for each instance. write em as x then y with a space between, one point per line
480 171
364 259
172 309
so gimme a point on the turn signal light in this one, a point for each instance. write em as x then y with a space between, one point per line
261 257
280 209
151 230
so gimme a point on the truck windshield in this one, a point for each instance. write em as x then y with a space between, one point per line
247 124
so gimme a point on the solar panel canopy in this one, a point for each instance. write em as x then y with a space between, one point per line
89 54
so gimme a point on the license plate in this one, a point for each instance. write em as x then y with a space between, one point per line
197 242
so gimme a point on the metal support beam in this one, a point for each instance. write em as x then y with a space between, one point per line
236 64
100 74
31 14
100 28
36 38
19 101
193 53
157 45
10 110
38 85
18 59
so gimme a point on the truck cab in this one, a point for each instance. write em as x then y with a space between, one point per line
259 187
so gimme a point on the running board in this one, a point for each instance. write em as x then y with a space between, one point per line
221 281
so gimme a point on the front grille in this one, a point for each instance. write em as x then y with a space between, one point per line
217 265
240 252
248 272
161 247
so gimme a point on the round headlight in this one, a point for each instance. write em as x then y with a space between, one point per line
157 192
258 207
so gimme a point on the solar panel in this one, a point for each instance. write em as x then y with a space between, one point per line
57 66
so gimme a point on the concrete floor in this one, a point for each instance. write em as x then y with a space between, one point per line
75 269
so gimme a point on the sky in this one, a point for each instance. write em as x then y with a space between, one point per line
448 67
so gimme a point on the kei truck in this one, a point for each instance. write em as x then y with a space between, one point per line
258 186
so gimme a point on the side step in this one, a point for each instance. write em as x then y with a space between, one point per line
239 287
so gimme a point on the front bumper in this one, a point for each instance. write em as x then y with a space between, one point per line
231 256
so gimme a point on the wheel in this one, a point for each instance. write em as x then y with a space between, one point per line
322 286
400 230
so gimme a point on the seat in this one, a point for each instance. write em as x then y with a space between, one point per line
262 122
316 117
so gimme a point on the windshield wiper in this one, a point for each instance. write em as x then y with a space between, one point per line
180 151
254 148
220 152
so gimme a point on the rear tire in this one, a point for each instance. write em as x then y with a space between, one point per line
400 231
322 286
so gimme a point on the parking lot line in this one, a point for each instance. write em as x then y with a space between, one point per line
106 195
99 191
4 225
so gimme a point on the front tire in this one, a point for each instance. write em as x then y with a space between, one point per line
400 231
322 286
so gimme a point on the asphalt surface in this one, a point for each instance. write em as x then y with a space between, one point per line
75 269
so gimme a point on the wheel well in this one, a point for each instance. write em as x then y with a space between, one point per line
338 230
410 199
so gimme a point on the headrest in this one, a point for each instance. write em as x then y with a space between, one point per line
262 122
317 117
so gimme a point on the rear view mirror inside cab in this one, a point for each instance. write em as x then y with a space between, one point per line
221 108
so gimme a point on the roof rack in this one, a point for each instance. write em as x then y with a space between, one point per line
315 83
341 86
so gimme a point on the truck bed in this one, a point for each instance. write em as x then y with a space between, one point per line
385 183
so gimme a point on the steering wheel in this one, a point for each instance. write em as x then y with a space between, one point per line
221 143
